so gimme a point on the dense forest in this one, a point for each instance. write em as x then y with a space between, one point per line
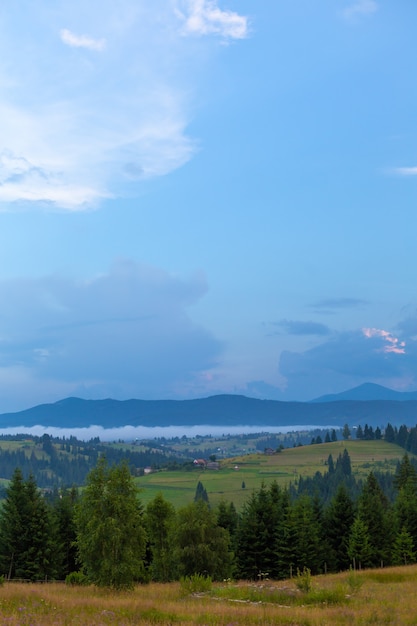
104 535
59 462
327 522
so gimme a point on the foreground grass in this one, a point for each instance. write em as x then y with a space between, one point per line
368 597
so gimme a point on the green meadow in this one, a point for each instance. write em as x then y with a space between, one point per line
238 476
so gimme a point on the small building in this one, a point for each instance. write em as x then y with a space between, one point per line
200 463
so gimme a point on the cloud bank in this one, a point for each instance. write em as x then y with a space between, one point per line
125 333
350 358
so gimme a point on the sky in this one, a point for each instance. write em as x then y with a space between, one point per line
206 196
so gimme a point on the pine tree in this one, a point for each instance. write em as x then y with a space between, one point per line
200 493
64 520
306 533
403 549
359 547
261 523
343 464
339 518
160 517
228 518
330 464
373 507
12 527
389 433
405 473
27 548
402 436
405 509
40 556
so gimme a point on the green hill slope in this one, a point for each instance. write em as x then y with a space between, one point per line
251 470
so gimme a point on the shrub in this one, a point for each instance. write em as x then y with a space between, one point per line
303 581
196 583
355 581
76 578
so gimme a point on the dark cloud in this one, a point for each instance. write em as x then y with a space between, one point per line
408 326
262 390
345 360
332 304
297 327
126 331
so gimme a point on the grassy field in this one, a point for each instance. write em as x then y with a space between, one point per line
251 470
368 597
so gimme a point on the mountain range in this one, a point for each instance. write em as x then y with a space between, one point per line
368 404
368 392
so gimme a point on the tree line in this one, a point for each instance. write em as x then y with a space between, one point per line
109 538
56 462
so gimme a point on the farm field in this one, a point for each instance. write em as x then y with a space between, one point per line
251 470
385 596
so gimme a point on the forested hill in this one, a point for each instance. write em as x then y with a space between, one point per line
221 410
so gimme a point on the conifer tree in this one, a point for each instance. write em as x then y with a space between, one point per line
359 548
40 556
390 434
405 509
403 549
160 518
228 518
27 548
406 472
306 533
373 507
261 524
12 527
339 518
64 520
200 493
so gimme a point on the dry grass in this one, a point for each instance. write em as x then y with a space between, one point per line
381 597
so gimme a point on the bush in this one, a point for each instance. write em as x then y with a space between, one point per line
196 583
76 578
303 581
354 581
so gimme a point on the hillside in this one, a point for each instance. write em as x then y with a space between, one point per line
251 470
222 410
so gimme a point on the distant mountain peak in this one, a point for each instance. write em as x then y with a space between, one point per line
368 392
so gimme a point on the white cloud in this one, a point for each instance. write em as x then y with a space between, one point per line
360 8
204 17
406 171
81 41
393 344
76 129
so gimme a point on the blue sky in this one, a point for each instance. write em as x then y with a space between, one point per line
206 196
